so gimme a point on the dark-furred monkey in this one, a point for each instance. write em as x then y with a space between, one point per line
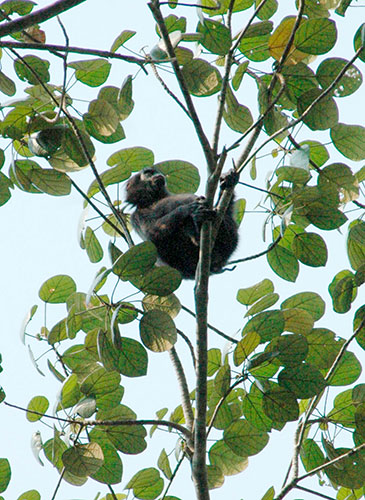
172 222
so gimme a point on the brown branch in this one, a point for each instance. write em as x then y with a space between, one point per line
182 84
185 396
38 16
227 69
107 423
257 255
76 50
211 327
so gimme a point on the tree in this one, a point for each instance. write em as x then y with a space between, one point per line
282 367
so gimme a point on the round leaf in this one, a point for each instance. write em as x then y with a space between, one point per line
158 331
57 289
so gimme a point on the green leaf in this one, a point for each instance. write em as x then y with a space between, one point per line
310 249
280 405
308 301
30 495
245 347
170 304
248 296
112 469
323 115
50 181
254 44
93 72
5 474
127 439
147 484
57 289
347 371
343 291
268 9
136 261
349 140
267 325
216 37
5 185
228 462
311 455
38 404
214 361
298 321
290 349
133 359
84 459
202 79
181 176
244 439
323 348
7 86
236 116
100 382
101 118
305 381
239 74
317 152
125 101
262 304
70 393
329 69
284 263
32 69
316 36
158 331
93 248
122 39
159 281
164 465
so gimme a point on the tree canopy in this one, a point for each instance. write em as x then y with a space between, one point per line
301 173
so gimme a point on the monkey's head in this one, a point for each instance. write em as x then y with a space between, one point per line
146 187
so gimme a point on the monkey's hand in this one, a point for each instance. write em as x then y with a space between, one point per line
229 180
202 213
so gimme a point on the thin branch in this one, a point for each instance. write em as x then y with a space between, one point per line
97 210
168 91
257 255
185 395
190 5
77 50
37 17
189 344
315 493
181 81
227 70
222 400
211 327
108 423
295 481
302 425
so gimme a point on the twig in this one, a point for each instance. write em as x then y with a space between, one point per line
37 17
77 50
260 254
181 81
211 327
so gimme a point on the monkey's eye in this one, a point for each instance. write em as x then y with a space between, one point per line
149 171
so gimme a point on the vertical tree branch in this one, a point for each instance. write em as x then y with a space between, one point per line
199 469
185 397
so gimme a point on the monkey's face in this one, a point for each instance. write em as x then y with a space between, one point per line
146 187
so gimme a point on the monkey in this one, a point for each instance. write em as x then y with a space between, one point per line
173 221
